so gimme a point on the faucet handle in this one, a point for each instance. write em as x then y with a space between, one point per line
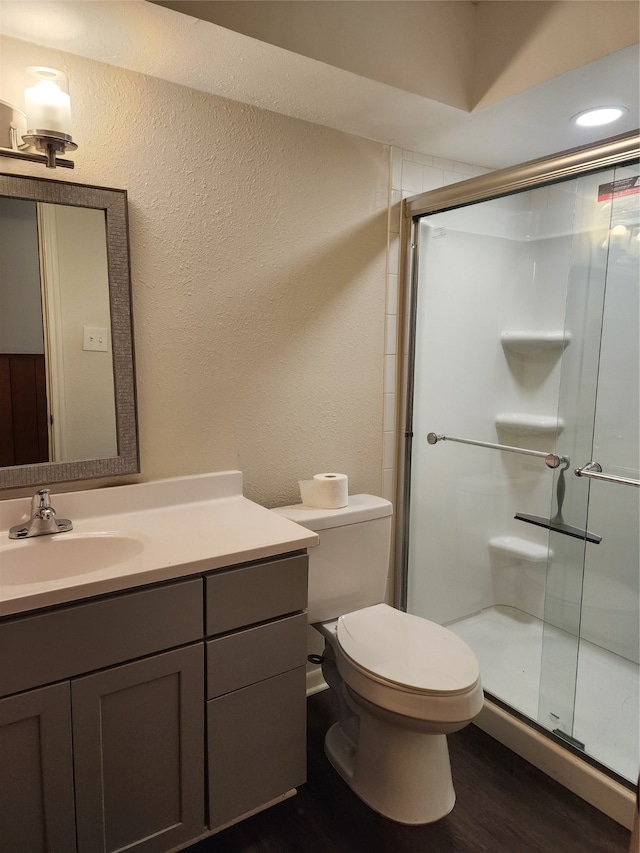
41 501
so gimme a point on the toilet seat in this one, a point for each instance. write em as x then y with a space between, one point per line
371 664
407 652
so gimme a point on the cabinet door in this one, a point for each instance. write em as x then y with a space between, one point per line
256 745
138 740
36 775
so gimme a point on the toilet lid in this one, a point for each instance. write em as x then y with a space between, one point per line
407 650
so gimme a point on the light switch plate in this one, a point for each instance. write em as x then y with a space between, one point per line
95 338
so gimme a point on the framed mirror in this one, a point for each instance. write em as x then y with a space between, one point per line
67 375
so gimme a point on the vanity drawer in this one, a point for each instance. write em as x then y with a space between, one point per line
257 744
249 594
254 654
46 647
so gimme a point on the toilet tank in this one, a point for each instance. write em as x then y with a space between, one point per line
348 568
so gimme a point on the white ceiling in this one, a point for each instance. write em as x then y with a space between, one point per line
160 42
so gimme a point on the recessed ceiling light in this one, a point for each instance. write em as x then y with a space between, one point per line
599 115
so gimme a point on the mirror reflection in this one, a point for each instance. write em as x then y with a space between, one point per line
57 399
67 373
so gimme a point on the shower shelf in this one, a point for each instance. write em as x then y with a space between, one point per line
521 549
518 423
530 343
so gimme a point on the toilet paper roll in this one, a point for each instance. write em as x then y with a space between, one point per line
325 491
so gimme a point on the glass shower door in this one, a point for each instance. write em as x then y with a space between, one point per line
490 311
589 675
526 339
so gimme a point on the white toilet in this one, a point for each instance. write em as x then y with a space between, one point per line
403 683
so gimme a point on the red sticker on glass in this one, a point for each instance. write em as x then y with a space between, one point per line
618 189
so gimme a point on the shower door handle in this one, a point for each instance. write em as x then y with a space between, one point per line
593 470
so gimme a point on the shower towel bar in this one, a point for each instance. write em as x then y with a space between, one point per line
552 460
594 470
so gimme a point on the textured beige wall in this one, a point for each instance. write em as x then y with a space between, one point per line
258 261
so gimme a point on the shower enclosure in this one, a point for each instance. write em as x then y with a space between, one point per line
522 457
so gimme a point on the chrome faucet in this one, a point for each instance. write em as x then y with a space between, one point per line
43 520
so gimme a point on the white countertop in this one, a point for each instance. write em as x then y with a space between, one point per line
180 527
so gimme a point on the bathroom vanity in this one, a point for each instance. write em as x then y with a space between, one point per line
148 704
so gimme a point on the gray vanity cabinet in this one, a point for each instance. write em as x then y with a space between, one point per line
256 709
125 722
37 812
117 713
257 746
139 754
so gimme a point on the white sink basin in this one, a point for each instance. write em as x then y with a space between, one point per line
64 555
129 536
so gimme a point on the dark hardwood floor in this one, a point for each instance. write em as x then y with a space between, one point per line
504 805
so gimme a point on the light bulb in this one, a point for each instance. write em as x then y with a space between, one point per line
47 101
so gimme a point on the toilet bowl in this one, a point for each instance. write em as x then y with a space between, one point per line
402 683
407 684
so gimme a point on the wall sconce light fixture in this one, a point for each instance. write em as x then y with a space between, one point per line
45 125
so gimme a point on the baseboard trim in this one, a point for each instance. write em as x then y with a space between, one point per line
589 783
315 681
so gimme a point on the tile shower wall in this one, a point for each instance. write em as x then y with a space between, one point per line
411 173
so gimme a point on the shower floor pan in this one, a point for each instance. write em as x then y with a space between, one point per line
508 645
